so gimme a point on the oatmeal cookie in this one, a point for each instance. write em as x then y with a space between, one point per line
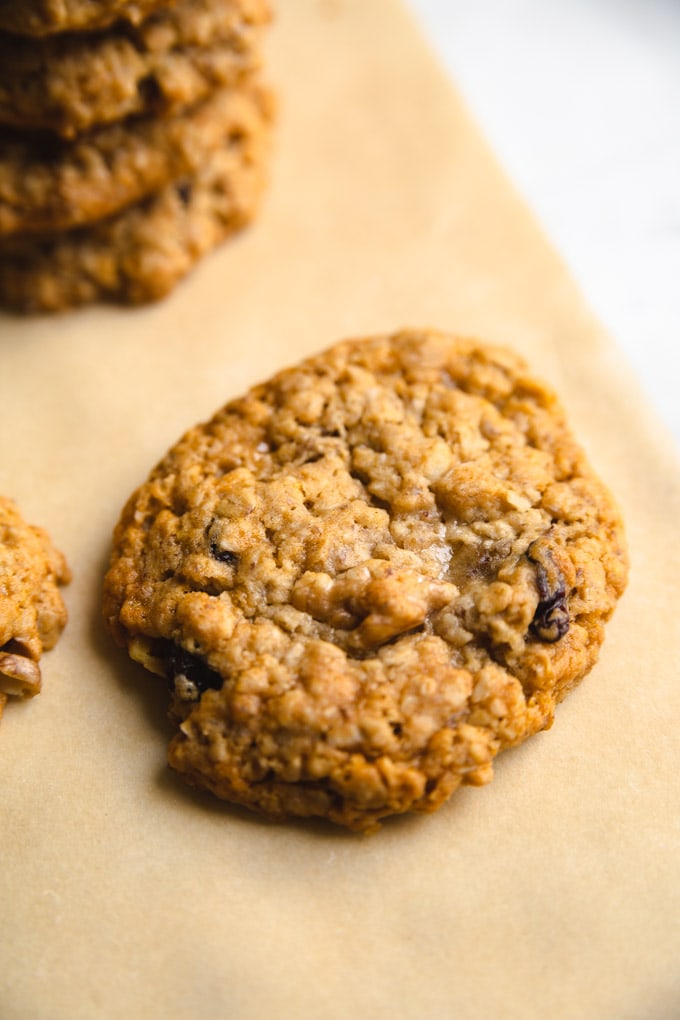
53 185
366 577
69 84
44 17
139 254
32 612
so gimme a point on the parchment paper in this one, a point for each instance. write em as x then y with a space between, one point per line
553 892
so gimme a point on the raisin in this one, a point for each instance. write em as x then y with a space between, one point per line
190 674
184 192
150 91
223 555
551 619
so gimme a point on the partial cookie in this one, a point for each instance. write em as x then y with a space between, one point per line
32 612
366 577
141 253
68 84
44 17
53 185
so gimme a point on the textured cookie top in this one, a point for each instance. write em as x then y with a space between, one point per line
367 576
70 83
43 17
32 612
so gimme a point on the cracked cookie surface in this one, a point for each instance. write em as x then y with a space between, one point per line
366 577
32 611
69 84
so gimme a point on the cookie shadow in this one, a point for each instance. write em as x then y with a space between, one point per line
319 829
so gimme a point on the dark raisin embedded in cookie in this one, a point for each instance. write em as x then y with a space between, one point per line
551 619
384 565
190 675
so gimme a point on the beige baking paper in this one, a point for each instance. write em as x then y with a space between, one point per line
555 891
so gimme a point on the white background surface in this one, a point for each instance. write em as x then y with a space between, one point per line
580 99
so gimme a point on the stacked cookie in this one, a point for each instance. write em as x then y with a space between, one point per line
133 139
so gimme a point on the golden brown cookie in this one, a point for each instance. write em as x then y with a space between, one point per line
70 83
32 612
52 185
44 17
139 254
366 577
